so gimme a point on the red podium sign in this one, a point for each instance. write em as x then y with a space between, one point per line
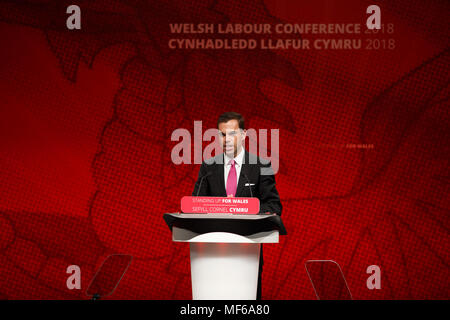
220 205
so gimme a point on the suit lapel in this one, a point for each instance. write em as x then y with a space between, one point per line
244 171
220 171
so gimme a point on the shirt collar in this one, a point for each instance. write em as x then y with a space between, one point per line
238 159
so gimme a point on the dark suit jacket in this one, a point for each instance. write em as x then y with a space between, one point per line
258 171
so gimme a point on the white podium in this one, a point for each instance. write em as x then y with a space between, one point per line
224 251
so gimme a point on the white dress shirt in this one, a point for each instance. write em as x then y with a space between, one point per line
238 165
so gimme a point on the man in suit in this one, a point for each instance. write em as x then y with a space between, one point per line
233 172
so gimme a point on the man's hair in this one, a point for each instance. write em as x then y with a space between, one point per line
227 116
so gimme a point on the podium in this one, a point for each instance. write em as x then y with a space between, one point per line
224 251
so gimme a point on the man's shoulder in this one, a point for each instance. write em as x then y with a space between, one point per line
261 164
253 159
214 160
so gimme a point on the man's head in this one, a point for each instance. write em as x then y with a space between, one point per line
231 132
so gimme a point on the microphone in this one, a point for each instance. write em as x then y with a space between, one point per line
201 180
248 183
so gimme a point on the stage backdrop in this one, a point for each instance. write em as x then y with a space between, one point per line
86 118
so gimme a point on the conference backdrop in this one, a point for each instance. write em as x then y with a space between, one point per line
354 118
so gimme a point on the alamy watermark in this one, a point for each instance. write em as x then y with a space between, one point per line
257 145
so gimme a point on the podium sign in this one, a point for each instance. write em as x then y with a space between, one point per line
227 205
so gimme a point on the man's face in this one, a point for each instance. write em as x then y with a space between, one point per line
231 137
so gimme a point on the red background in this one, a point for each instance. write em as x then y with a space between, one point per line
85 124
